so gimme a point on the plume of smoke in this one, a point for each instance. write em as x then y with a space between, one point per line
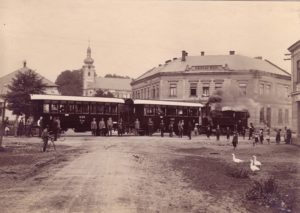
231 98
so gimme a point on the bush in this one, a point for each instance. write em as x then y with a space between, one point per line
237 172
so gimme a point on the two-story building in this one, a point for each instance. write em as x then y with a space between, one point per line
295 58
264 85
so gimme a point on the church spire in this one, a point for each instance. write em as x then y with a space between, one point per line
89 59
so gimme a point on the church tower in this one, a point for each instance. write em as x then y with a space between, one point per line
89 74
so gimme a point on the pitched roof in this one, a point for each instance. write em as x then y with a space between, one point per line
6 80
231 62
111 83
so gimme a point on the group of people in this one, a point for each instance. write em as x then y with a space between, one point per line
106 128
180 128
258 135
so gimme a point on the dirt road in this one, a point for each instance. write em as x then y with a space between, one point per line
117 174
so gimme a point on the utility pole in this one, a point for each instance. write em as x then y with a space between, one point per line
2 123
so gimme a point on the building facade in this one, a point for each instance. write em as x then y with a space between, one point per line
257 84
295 58
51 88
119 87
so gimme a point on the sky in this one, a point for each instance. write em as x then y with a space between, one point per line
131 37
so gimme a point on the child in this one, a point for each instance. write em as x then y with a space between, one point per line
255 141
45 137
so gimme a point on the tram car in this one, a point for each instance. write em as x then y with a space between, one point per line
76 112
168 111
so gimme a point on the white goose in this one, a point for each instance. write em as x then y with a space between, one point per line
253 167
236 160
256 162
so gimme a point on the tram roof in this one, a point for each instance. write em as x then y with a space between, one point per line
167 103
75 98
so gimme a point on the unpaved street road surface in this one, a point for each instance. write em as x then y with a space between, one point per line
115 174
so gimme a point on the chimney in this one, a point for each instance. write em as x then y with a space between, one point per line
24 64
202 53
258 57
168 61
174 59
183 54
231 52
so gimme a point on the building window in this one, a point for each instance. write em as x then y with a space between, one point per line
193 89
205 90
268 89
148 95
261 89
286 116
262 115
218 86
280 116
243 88
287 93
89 74
153 92
173 90
157 92
298 71
268 116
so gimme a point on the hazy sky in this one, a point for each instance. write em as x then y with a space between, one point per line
131 37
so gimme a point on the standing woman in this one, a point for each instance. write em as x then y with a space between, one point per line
21 127
228 132
94 126
278 136
190 129
137 126
180 128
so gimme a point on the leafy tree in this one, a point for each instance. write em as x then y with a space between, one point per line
18 96
70 82
101 93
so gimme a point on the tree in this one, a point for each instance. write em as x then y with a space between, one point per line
101 93
70 82
18 96
115 76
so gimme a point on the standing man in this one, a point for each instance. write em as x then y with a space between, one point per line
180 128
109 126
94 126
208 131
171 128
190 128
218 132
21 127
40 124
102 127
150 127
162 128
54 128
120 127
137 126
251 130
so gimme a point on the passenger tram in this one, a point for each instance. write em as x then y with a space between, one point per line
77 112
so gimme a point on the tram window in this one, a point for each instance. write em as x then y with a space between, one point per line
184 112
171 111
93 108
54 107
180 112
62 108
46 108
100 108
193 112
85 108
78 108
161 110
70 108
107 109
114 109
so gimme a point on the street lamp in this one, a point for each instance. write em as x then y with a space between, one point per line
3 108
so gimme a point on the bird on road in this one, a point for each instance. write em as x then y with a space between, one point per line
256 162
253 167
236 160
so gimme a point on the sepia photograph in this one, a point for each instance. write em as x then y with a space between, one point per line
150 106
